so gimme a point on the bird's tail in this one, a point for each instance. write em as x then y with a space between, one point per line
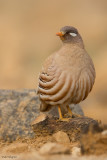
44 107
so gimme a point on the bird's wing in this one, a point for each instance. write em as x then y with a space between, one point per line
55 84
48 76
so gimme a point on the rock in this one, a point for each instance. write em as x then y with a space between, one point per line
18 108
61 137
40 118
75 127
95 144
76 151
104 132
54 148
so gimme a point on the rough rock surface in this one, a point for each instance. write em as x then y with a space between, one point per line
45 126
18 108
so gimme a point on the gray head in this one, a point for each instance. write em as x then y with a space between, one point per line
69 34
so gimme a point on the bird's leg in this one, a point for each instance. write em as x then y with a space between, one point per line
69 110
72 114
60 115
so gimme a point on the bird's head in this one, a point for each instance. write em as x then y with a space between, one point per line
69 34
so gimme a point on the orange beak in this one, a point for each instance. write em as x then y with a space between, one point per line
60 34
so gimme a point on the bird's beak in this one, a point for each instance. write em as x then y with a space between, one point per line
61 34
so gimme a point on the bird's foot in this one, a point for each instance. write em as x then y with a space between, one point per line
64 119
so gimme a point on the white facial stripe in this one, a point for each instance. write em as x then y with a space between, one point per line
73 34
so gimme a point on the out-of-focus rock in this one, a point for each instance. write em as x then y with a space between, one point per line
54 148
76 151
17 110
95 144
61 137
104 132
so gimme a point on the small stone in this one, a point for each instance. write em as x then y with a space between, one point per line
54 148
40 118
61 137
76 151
104 132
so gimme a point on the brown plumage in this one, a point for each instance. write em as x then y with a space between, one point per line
67 75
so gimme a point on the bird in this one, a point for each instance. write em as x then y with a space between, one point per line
68 75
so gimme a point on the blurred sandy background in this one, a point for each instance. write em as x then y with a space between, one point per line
27 37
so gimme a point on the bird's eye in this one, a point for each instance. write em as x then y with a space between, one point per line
73 34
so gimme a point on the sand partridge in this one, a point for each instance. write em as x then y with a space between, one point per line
67 75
